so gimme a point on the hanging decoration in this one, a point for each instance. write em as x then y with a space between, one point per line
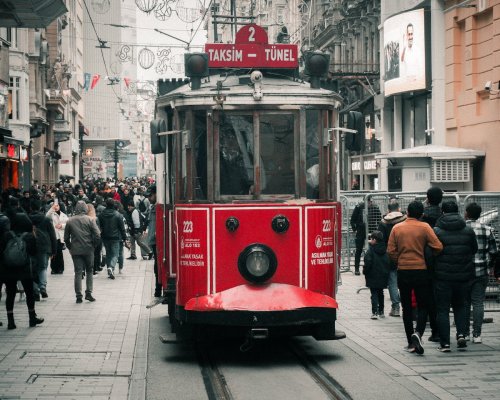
131 88
177 63
186 14
147 91
146 58
127 81
95 79
86 81
146 5
163 10
124 53
163 56
101 6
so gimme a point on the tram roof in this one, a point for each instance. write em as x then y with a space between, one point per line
274 92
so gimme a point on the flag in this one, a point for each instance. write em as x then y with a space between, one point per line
127 82
86 81
95 79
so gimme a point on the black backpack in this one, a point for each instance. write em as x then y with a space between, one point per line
15 254
142 206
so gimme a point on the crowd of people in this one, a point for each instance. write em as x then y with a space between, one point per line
431 259
93 220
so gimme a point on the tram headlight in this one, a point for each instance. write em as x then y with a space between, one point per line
257 263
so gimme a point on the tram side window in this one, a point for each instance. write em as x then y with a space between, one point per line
312 153
236 154
200 155
277 153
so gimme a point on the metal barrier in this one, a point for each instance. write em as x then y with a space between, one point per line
489 202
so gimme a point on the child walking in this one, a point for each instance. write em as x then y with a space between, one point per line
376 271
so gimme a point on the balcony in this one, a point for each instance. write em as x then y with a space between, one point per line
55 101
62 130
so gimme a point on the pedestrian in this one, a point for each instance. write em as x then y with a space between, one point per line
358 226
376 270
12 271
59 220
487 253
46 247
81 236
453 272
432 212
151 195
112 234
406 247
137 226
394 216
91 212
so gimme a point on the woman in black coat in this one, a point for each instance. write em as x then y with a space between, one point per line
20 225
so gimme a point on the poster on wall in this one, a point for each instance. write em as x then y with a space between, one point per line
405 52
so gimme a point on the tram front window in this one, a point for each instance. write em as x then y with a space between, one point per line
236 155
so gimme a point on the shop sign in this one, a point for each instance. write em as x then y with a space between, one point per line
8 150
368 165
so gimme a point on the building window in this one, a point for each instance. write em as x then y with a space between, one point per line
14 109
450 171
12 37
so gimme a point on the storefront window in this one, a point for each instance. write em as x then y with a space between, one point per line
14 107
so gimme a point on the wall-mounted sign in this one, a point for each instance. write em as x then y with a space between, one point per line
88 152
368 165
8 150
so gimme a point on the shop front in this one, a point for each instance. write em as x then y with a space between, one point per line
365 173
11 175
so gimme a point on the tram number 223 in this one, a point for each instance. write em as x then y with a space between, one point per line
187 227
327 225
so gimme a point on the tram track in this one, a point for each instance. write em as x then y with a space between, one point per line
217 387
323 379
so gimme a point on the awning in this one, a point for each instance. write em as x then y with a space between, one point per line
435 152
30 13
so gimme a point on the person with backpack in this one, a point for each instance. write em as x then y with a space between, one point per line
17 245
137 225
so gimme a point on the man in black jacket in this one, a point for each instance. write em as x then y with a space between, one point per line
46 248
453 270
112 233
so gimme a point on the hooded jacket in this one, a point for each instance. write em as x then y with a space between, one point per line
81 234
456 261
377 266
388 221
111 224
45 233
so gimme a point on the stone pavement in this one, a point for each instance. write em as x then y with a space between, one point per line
470 374
84 351
99 350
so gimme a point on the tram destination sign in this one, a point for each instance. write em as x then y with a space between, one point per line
252 50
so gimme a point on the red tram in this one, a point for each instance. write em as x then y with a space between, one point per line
248 230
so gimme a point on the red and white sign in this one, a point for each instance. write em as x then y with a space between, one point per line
252 50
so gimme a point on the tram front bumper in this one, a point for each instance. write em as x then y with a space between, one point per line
271 304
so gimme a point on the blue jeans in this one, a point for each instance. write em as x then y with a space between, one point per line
476 299
112 252
393 288
454 294
41 263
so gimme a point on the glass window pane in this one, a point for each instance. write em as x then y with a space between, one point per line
277 153
312 154
200 155
236 154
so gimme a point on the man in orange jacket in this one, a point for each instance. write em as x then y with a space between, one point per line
406 247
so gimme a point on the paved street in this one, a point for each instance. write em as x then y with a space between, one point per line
99 350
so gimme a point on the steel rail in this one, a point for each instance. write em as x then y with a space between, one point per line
325 381
214 380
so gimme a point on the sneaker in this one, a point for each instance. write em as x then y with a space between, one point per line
111 276
395 312
79 300
357 272
477 339
445 348
150 256
120 270
417 343
433 338
44 294
132 258
381 315
461 343
89 297
110 272
37 297
374 316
